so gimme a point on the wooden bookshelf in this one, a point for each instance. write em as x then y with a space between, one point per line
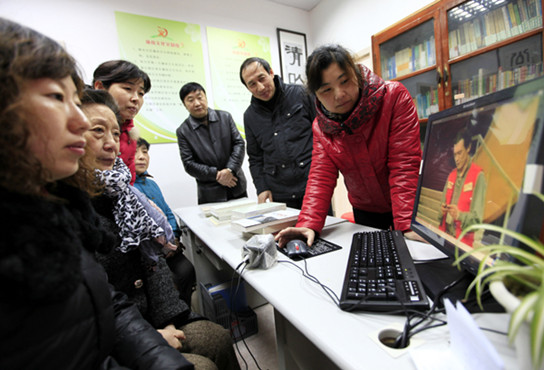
453 51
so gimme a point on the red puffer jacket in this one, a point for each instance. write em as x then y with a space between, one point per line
128 148
379 161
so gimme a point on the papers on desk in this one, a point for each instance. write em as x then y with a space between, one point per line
268 222
422 252
468 343
469 348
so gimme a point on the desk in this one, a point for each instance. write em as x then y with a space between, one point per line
312 332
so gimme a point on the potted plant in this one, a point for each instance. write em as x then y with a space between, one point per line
523 278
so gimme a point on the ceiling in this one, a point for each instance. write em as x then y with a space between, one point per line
300 4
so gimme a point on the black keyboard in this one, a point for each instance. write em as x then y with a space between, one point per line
380 275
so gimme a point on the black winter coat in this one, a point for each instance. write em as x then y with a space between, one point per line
279 141
152 290
57 310
206 150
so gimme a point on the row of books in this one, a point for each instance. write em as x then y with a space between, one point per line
248 216
409 59
426 103
501 23
484 82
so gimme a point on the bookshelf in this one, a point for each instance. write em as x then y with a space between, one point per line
453 51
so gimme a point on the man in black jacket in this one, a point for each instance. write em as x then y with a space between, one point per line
211 148
278 127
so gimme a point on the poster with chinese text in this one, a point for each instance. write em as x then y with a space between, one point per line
170 52
227 51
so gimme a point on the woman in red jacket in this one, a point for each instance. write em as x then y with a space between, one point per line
127 84
367 129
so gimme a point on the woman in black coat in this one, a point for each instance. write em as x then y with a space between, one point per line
57 310
136 266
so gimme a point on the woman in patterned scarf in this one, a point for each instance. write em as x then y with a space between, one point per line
137 266
368 130
57 310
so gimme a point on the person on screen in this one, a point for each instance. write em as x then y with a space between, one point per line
211 148
57 309
367 129
278 127
463 197
127 84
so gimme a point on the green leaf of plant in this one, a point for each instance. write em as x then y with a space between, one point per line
537 330
518 316
531 243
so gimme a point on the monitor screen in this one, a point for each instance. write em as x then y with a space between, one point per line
482 160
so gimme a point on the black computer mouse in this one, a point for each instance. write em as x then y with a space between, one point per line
296 248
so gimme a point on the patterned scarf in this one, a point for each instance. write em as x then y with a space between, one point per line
370 102
135 224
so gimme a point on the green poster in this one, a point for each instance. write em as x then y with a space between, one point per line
227 50
170 52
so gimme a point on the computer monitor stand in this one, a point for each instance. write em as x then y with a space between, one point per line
436 275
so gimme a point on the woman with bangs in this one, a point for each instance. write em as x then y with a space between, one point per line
367 129
127 84
136 265
57 310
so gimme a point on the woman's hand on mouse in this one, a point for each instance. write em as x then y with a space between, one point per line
291 233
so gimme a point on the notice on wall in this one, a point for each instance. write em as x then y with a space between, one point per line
227 51
170 52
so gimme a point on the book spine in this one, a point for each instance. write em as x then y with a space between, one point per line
507 22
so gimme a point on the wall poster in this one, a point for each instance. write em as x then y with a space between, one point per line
293 55
170 52
227 51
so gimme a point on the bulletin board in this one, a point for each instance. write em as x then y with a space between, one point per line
227 51
170 52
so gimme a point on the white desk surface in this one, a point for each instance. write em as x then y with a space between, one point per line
348 339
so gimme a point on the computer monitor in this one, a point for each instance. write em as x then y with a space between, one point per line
482 161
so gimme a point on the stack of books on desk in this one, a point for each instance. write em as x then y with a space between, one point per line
221 212
256 210
267 223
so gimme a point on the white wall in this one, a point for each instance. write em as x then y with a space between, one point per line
351 23
87 28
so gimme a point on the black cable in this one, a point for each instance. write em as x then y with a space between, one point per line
494 331
313 279
244 263
442 323
409 332
230 313
326 288
238 318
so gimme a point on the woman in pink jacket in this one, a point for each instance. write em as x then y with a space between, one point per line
367 129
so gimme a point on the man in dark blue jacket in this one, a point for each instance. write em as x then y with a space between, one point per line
278 128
